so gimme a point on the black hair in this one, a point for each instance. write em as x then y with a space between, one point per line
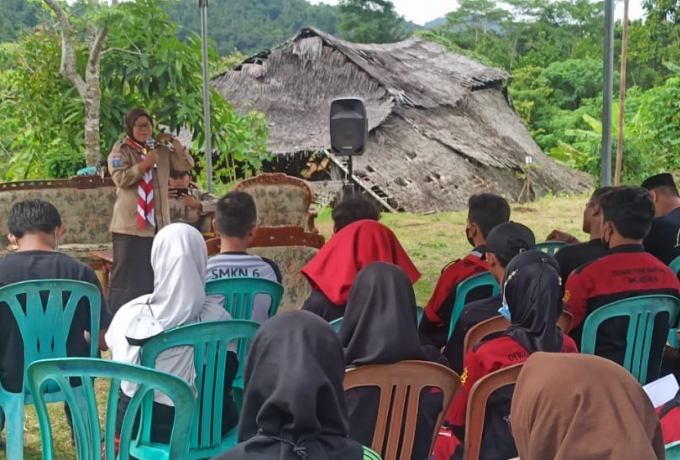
33 216
235 214
630 209
487 210
600 192
352 209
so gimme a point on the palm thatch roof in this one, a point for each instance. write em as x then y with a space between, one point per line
441 125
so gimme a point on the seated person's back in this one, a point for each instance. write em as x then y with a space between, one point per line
333 269
178 257
379 327
532 290
626 271
293 405
581 407
485 211
236 225
504 242
36 226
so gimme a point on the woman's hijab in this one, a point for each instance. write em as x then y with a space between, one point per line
294 404
532 291
380 322
334 267
130 120
179 259
582 407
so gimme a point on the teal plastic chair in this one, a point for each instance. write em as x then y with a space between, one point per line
675 266
641 312
86 413
336 323
44 330
239 294
209 341
550 247
463 290
370 455
673 451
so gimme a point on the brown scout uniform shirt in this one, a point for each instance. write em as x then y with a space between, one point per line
179 212
126 174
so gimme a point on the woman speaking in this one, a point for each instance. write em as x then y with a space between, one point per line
140 168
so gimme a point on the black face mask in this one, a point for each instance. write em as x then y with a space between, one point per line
467 235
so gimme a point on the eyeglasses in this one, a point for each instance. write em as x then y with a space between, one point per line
143 126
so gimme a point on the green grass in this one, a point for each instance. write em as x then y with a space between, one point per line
432 241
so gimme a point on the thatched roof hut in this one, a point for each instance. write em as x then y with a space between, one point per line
441 125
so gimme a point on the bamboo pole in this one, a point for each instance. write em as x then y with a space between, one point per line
622 95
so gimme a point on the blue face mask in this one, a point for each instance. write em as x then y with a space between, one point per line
505 311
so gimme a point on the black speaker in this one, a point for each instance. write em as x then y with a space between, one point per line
349 126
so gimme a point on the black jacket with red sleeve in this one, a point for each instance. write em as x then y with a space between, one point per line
626 271
434 327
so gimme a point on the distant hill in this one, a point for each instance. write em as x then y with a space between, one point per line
435 23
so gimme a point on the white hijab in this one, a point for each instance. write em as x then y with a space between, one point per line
179 259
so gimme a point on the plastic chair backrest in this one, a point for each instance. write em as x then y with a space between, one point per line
479 331
476 410
550 247
641 311
675 266
209 341
400 386
370 455
239 294
336 323
673 451
85 411
45 327
463 290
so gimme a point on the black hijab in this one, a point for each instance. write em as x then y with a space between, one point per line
380 322
532 290
294 404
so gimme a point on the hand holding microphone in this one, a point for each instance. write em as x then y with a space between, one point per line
152 154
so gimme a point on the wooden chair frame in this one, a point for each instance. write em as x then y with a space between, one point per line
476 409
400 386
275 236
478 332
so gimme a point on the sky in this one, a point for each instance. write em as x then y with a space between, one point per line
422 11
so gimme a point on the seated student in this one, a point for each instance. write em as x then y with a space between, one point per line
485 211
574 255
178 258
663 239
189 207
504 242
332 271
669 414
626 271
531 290
351 209
35 227
236 225
582 407
380 327
293 405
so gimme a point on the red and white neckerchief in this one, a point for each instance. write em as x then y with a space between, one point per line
145 211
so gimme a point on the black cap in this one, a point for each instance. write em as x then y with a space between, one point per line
509 239
660 180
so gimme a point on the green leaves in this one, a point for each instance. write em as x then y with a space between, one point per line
370 21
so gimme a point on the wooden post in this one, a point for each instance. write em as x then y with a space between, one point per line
529 161
622 96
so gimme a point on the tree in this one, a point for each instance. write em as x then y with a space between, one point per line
96 27
370 21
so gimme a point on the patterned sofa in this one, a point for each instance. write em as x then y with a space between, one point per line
85 204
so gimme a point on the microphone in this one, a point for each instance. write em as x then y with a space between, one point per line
151 143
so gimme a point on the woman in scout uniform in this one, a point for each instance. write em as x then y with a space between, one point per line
140 168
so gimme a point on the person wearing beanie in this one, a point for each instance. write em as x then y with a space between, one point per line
663 239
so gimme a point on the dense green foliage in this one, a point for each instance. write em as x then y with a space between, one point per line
554 51
370 21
